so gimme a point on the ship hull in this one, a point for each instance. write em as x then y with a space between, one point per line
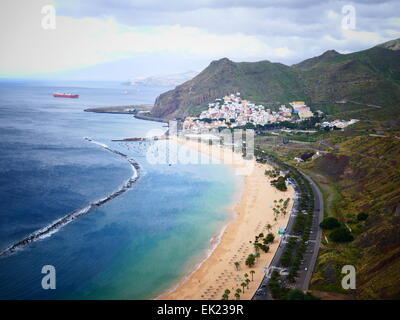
56 95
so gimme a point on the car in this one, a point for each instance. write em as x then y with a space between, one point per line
259 292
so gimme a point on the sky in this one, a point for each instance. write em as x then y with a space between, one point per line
123 39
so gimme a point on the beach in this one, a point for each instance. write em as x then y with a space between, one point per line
250 216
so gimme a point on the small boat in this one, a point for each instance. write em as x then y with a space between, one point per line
65 95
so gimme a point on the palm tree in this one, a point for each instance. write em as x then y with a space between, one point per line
247 282
237 264
237 295
252 273
246 275
243 284
238 291
269 227
224 297
227 292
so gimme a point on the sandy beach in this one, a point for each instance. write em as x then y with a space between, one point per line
252 213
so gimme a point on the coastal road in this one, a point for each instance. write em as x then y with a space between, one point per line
311 254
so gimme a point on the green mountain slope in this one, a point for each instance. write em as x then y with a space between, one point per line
259 81
371 76
368 182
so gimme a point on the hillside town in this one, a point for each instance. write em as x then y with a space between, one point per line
233 111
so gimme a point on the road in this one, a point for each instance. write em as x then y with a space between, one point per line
311 254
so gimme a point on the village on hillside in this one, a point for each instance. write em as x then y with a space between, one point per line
232 111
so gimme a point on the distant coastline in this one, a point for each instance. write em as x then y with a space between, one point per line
136 110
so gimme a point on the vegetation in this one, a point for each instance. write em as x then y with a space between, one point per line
279 183
371 77
341 234
362 216
329 223
269 239
250 260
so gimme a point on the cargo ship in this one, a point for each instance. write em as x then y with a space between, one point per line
65 95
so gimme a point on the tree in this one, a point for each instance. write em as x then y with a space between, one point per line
225 297
295 294
243 284
237 295
341 234
247 282
252 274
362 216
330 223
279 183
237 265
269 227
269 239
250 260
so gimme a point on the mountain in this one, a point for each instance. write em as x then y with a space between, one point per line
364 172
392 45
170 80
370 76
261 81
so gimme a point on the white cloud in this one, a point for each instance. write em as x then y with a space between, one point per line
89 34
83 42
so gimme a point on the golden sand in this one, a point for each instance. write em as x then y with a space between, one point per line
252 215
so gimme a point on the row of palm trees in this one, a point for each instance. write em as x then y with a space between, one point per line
251 258
280 207
244 284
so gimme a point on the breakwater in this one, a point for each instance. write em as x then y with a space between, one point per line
56 225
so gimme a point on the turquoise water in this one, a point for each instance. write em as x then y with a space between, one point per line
133 247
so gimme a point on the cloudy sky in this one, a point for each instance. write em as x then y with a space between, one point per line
118 40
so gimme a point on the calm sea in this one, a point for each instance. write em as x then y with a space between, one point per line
133 247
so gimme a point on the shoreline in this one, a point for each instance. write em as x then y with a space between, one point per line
215 271
214 242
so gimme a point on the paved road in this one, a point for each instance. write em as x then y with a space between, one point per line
311 254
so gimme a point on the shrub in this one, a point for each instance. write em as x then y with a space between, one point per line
295 294
329 223
341 234
270 238
250 260
279 183
362 216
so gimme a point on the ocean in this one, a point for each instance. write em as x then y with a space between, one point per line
135 246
